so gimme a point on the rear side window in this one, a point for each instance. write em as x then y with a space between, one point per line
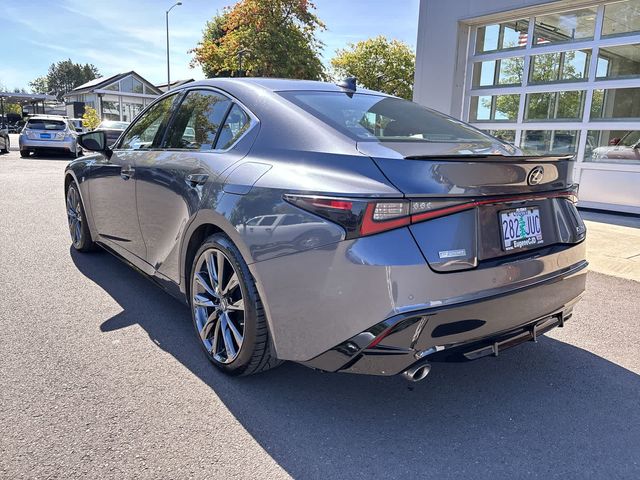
46 124
198 120
236 123
147 131
376 118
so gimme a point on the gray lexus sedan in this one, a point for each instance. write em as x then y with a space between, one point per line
333 226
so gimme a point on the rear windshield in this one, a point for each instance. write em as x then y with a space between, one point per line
383 119
46 124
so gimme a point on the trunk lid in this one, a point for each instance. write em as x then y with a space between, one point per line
441 170
494 182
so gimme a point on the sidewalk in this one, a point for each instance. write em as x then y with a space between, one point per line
613 244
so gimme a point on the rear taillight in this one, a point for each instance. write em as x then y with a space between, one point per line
361 217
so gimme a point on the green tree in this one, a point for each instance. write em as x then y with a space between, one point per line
63 77
90 118
270 38
378 64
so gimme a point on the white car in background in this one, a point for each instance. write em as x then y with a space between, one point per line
623 149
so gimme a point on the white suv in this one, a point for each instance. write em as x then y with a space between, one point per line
49 133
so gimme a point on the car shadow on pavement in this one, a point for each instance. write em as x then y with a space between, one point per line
548 409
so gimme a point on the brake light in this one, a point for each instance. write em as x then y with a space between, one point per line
361 217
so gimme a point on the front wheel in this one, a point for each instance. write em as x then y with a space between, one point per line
78 228
227 312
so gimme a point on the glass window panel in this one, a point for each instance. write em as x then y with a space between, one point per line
508 136
130 85
622 61
613 146
551 141
494 108
502 36
621 18
566 105
198 120
113 86
130 110
236 123
565 26
507 71
147 131
110 110
616 103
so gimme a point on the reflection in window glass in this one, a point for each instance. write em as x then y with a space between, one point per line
508 136
494 107
113 86
560 66
502 36
110 110
565 26
566 105
613 146
621 18
130 85
507 71
559 142
619 62
235 125
198 120
616 103
146 132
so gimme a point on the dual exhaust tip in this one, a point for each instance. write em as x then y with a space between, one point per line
417 372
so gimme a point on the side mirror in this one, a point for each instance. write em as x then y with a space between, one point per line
95 142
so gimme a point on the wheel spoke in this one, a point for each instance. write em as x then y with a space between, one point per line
78 232
216 339
236 306
234 330
202 301
203 283
213 278
220 268
205 331
231 284
226 337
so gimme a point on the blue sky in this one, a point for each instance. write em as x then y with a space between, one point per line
123 35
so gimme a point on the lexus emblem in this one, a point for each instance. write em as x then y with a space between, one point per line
535 175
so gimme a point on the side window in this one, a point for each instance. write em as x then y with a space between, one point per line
198 120
268 220
235 125
146 132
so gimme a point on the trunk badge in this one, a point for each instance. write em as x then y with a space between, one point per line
535 175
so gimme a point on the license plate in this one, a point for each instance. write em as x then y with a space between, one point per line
45 135
520 228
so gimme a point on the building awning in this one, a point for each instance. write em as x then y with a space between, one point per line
26 98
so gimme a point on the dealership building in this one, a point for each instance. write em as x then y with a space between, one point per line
560 76
118 97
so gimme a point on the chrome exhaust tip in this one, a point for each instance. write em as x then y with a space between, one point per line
417 372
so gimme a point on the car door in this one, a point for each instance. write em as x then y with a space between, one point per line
113 183
171 181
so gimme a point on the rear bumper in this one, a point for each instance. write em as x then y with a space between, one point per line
465 331
49 145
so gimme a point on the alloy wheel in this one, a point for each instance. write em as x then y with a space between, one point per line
74 216
218 305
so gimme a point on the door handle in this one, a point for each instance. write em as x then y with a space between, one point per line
127 172
195 179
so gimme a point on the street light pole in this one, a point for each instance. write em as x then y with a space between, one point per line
167 22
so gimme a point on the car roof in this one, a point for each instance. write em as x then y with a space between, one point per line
274 84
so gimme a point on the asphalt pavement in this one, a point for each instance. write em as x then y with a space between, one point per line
101 377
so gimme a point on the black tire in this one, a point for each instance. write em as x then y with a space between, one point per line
83 242
24 153
256 352
6 148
